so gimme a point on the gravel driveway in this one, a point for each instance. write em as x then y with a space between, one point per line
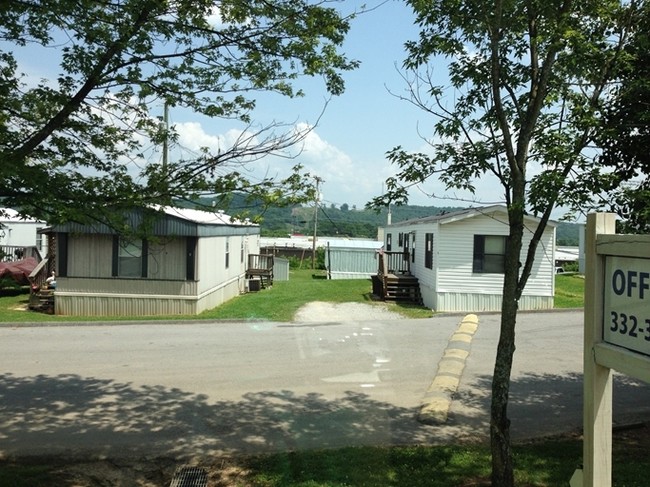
320 311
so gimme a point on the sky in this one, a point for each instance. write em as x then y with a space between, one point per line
347 148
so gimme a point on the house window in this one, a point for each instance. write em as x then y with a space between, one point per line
242 252
129 257
428 250
39 240
400 239
406 254
413 247
489 254
389 242
227 253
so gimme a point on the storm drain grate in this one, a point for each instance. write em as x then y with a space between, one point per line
190 477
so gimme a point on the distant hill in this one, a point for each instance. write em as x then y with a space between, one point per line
344 221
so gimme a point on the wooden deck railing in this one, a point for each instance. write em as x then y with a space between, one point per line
39 274
260 266
394 263
12 253
260 262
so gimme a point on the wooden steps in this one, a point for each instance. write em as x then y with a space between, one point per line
402 288
42 300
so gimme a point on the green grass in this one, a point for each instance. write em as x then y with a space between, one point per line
28 475
569 291
284 298
548 463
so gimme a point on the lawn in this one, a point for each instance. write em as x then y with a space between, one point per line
569 290
545 463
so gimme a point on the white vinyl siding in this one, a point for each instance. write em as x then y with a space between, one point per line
451 285
455 268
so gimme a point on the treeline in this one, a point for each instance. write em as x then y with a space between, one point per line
345 221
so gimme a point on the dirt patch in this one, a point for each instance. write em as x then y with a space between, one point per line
319 311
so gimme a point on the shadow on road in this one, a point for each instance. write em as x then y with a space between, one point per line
86 417
549 404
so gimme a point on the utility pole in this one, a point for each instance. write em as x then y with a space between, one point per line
164 188
313 248
165 155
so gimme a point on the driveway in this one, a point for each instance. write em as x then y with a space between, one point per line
195 389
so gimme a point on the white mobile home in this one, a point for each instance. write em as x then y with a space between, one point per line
190 261
458 259
16 231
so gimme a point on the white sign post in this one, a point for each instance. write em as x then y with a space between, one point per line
616 334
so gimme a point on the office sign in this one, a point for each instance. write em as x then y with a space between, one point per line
626 300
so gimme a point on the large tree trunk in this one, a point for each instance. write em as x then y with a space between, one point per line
502 467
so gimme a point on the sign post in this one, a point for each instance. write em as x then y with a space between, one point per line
616 332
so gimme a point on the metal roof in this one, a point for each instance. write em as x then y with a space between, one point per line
463 214
305 242
171 221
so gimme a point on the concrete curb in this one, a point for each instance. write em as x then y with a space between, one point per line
437 400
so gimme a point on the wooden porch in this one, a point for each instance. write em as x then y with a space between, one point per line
260 267
394 281
41 297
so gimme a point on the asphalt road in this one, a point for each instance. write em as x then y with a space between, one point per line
195 389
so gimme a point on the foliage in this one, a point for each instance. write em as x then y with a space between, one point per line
625 138
299 219
526 81
567 234
73 146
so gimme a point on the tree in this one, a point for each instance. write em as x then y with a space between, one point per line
526 80
71 145
625 138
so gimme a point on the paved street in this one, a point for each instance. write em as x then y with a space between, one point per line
197 388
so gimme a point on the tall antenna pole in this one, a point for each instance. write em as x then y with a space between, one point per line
313 248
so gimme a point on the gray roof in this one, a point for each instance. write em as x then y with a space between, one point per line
170 221
463 214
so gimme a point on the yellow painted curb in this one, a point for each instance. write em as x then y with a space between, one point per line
451 367
457 353
437 402
444 383
461 337
468 327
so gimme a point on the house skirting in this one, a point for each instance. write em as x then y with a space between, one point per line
474 303
86 303
351 275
